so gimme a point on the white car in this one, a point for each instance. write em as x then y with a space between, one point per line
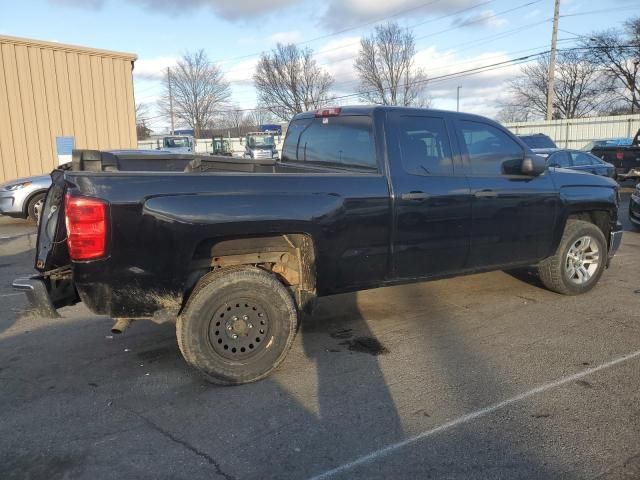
24 197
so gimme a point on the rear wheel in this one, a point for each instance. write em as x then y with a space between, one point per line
35 207
238 325
579 260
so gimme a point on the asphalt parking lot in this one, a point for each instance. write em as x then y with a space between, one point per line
485 376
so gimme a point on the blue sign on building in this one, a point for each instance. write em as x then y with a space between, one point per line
64 149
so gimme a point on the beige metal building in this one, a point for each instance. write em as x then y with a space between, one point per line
51 90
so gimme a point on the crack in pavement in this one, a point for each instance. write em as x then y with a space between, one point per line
210 460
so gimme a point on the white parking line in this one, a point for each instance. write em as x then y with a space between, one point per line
471 416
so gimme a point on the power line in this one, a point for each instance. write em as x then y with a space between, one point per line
339 47
463 44
591 12
462 25
340 32
450 76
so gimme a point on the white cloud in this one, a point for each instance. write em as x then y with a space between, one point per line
347 13
152 68
481 93
337 58
242 72
228 9
293 36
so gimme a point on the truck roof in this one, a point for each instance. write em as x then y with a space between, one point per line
370 109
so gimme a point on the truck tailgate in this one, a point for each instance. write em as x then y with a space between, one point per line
51 248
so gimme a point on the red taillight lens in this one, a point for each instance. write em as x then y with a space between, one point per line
86 220
328 112
619 155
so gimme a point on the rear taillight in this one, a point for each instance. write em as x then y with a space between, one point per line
328 112
86 220
619 155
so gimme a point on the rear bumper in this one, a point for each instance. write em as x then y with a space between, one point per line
45 294
37 295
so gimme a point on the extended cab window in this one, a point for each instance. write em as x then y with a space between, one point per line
491 151
337 141
424 146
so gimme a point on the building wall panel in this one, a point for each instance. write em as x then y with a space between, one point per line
7 145
49 90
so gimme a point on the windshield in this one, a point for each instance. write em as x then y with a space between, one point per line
261 141
537 141
176 142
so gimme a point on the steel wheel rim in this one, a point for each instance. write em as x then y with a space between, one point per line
583 260
239 329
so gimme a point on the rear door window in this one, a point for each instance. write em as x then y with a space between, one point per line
560 159
342 141
424 146
581 159
491 151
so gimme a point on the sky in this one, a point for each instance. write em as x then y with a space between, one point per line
451 36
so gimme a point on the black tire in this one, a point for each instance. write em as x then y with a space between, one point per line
246 302
37 199
553 271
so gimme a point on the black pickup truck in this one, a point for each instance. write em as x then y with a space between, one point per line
362 197
625 158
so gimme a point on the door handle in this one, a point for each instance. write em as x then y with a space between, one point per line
414 196
486 194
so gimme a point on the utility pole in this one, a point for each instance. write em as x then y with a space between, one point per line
170 98
458 98
552 62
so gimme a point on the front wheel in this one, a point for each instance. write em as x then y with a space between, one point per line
579 261
238 325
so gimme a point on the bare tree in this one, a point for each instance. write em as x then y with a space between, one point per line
511 113
618 54
386 68
236 121
260 116
289 81
580 87
142 112
142 116
198 89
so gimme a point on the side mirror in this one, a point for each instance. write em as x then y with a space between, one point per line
533 166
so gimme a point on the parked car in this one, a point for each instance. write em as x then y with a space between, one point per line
538 142
634 207
625 158
581 161
176 144
362 197
24 197
260 145
609 142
